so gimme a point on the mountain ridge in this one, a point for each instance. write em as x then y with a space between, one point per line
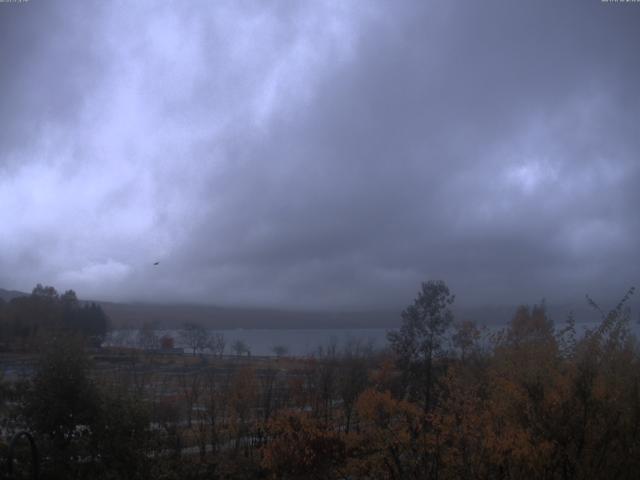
134 315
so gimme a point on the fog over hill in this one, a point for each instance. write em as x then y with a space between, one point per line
172 316
7 295
134 314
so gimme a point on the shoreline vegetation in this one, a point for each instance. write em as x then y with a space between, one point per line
444 399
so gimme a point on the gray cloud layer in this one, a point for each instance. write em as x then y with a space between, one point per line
320 154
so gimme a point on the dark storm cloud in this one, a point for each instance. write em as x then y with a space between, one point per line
45 70
314 154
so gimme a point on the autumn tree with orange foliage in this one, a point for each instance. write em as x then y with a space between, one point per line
300 446
390 441
545 405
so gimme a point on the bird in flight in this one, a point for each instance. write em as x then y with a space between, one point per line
157 263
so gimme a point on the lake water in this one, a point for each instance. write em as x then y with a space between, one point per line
298 342
301 342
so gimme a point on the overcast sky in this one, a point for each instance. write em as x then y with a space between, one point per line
320 154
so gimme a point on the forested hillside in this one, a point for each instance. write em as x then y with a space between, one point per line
26 319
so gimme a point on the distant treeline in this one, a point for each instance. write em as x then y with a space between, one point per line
24 319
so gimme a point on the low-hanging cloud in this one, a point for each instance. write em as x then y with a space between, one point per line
319 154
